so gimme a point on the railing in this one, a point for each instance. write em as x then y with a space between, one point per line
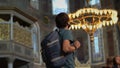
18 44
15 49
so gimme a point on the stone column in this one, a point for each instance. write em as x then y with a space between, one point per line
10 62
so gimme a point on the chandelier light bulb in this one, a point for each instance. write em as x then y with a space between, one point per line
111 23
79 26
94 26
73 15
77 14
114 13
70 16
97 12
100 26
105 11
109 11
84 27
72 27
101 12
79 11
88 10
76 27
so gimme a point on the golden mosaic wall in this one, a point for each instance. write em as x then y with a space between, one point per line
22 35
4 31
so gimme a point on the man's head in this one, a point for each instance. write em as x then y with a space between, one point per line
62 20
116 60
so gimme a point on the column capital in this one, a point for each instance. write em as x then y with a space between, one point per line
10 59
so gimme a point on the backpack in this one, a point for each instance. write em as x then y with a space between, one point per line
51 50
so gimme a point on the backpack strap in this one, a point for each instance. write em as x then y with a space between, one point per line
61 42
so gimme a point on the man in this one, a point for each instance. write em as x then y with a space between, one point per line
68 46
116 62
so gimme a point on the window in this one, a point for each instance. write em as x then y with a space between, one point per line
60 6
34 4
97 48
96 45
94 2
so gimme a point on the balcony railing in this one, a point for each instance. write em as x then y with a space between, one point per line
15 40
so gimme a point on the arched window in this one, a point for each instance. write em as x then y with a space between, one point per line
98 47
60 6
34 4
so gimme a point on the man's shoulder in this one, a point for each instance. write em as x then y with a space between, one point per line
65 31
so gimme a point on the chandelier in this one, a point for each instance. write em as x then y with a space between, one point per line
91 19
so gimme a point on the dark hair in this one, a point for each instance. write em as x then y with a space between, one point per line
61 20
114 62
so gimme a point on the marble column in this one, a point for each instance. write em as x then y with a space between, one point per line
10 62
